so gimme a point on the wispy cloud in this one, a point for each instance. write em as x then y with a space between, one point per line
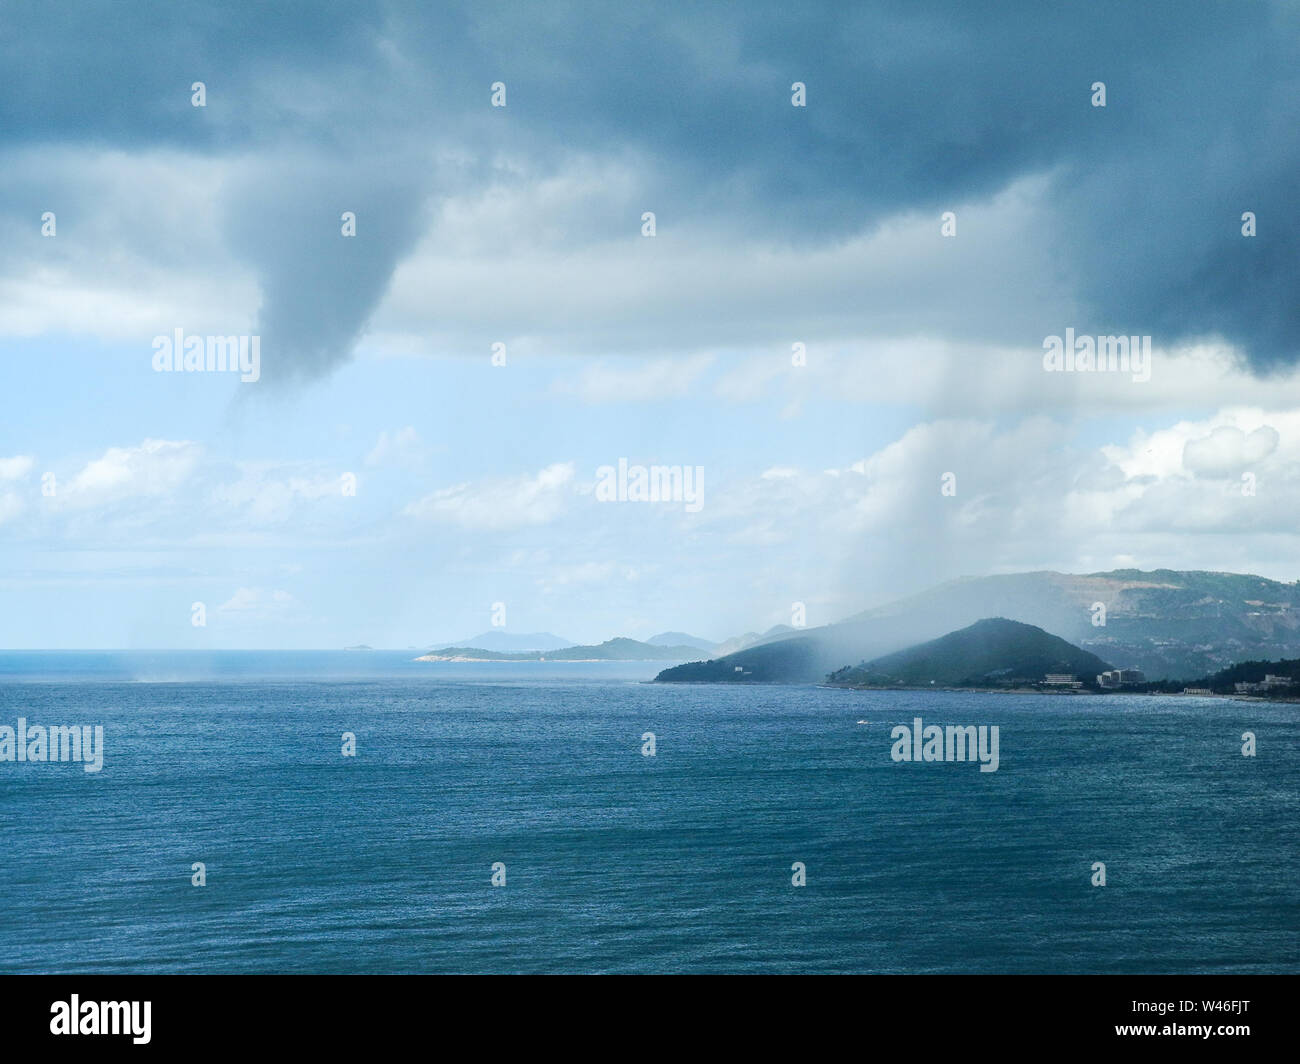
16 468
150 468
501 503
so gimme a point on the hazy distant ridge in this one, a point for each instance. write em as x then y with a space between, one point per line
1170 624
619 649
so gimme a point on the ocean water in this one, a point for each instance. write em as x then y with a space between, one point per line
617 862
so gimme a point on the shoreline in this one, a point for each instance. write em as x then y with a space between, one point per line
1062 693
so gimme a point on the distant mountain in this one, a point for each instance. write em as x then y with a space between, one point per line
989 652
680 639
503 642
619 649
752 639
1171 625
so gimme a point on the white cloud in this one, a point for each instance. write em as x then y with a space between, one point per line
16 468
115 274
526 250
500 504
1029 495
153 468
1227 451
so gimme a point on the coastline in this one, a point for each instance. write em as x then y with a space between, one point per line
1068 693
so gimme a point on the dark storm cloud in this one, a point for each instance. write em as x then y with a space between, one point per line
910 106
104 72
318 286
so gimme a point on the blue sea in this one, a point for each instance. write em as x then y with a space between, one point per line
619 862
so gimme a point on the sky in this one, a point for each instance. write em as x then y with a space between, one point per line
868 222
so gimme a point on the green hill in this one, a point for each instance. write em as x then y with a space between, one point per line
1224 681
989 652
